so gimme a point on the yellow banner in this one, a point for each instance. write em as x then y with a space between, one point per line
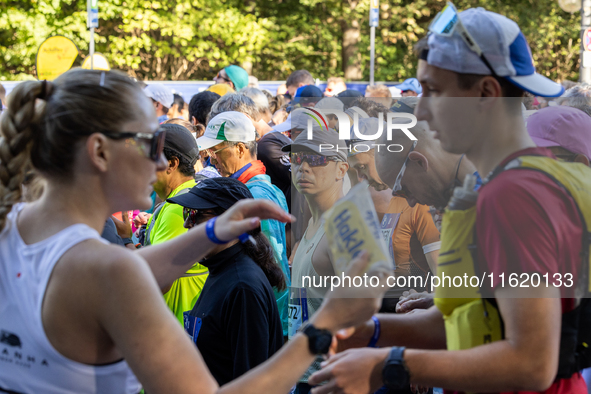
54 57
99 62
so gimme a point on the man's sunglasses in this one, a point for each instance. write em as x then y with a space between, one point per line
398 190
447 21
313 160
155 141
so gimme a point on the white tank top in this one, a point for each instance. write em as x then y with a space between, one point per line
28 362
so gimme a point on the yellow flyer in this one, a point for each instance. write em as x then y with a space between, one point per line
352 226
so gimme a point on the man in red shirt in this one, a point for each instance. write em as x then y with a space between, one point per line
525 223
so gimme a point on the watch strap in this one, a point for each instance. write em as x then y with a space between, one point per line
395 373
319 340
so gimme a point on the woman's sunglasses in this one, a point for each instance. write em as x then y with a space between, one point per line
313 160
152 150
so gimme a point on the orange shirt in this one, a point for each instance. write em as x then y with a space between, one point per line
414 231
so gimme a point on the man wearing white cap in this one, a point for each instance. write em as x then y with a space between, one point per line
524 221
162 98
230 139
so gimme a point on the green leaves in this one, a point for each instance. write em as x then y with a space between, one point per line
193 39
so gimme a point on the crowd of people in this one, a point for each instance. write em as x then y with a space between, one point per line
152 243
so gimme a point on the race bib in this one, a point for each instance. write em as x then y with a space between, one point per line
387 226
192 326
297 310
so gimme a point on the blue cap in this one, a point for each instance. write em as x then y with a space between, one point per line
502 43
309 91
411 84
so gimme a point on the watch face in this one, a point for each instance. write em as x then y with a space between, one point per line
395 376
323 343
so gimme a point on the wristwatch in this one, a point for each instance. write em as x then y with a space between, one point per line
318 340
395 373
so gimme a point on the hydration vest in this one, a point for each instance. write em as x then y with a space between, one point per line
470 319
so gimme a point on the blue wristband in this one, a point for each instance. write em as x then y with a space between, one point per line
209 231
376 332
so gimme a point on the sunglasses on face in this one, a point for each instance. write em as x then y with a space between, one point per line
195 214
313 160
398 190
219 76
155 142
447 22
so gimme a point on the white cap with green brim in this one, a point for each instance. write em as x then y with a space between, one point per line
228 126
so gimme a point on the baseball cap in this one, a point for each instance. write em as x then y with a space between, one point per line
502 44
410 84
159 92
213 193
284 126
238 76
180 140
309 91
227 126
562 126
330 103
320 137
349 93
298 119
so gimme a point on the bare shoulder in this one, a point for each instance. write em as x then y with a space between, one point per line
95 257
93 266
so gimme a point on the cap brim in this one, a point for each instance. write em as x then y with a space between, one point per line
206 142
538 85
544 143
314 147
192 201
283 127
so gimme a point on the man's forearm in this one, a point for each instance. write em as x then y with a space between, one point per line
527 360
495 367
421 330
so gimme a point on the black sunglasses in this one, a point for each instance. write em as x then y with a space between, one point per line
313 160
194 214
156 141
222 77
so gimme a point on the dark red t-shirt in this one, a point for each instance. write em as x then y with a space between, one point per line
526 223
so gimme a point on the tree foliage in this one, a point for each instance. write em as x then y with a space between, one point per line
193 39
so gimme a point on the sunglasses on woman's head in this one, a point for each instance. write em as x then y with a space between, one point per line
156 141
313 160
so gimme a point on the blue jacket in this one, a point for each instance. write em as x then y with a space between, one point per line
261 187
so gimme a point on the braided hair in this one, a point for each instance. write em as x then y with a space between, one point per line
46 121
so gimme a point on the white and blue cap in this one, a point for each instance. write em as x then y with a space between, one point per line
502 43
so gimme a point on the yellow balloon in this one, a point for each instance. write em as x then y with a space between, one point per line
55 56
100 62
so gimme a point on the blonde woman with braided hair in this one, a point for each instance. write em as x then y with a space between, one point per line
78 315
